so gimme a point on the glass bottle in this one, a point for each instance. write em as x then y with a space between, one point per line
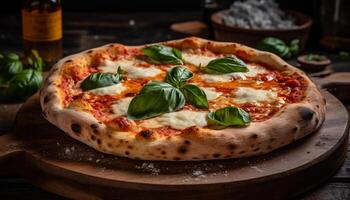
42 28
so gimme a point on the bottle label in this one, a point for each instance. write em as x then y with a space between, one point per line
40 27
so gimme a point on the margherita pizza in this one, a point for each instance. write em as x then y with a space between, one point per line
188 99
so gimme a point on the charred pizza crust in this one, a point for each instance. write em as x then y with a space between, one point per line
291 123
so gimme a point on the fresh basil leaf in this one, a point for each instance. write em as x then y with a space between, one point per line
229 116
99 80
155 99
195 96
177 76
11 67
30 61
177 53
315 57
155 86
294 47
161 54
12 56
276 46
24 84
225 65
34 61
6 69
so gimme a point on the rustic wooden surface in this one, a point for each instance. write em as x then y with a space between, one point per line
64 166
81 31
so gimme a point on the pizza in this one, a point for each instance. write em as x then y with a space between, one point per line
187 99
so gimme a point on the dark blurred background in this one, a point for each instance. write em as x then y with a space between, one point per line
305 6
91 23
171 12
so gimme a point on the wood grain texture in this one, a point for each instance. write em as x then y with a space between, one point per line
331 191
64 166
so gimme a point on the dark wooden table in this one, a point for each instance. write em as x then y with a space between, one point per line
87 30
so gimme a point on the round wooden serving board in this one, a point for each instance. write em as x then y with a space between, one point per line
51 160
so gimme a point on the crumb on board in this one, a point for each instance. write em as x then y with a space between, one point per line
148 167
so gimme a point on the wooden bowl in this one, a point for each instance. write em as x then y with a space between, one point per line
252 37
313 65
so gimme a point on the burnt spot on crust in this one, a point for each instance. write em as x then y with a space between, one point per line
254 136
111 45
94 126
256 149
216 155
306 113
68 61
90 51
232 146
317 120
93 138
127 153
295 129
46 99
176 158
317 106
146 133
187 142
195 158
130 147
95 131
163 152
99 141
182 149
76 128
241 152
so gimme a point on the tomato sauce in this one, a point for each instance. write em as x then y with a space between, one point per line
290 87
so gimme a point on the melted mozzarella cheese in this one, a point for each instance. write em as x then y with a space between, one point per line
109 90
121 106
130 67
177 120
250 95
211 93
198 60
253 71
217 78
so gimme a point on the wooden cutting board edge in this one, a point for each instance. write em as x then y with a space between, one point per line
70 184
